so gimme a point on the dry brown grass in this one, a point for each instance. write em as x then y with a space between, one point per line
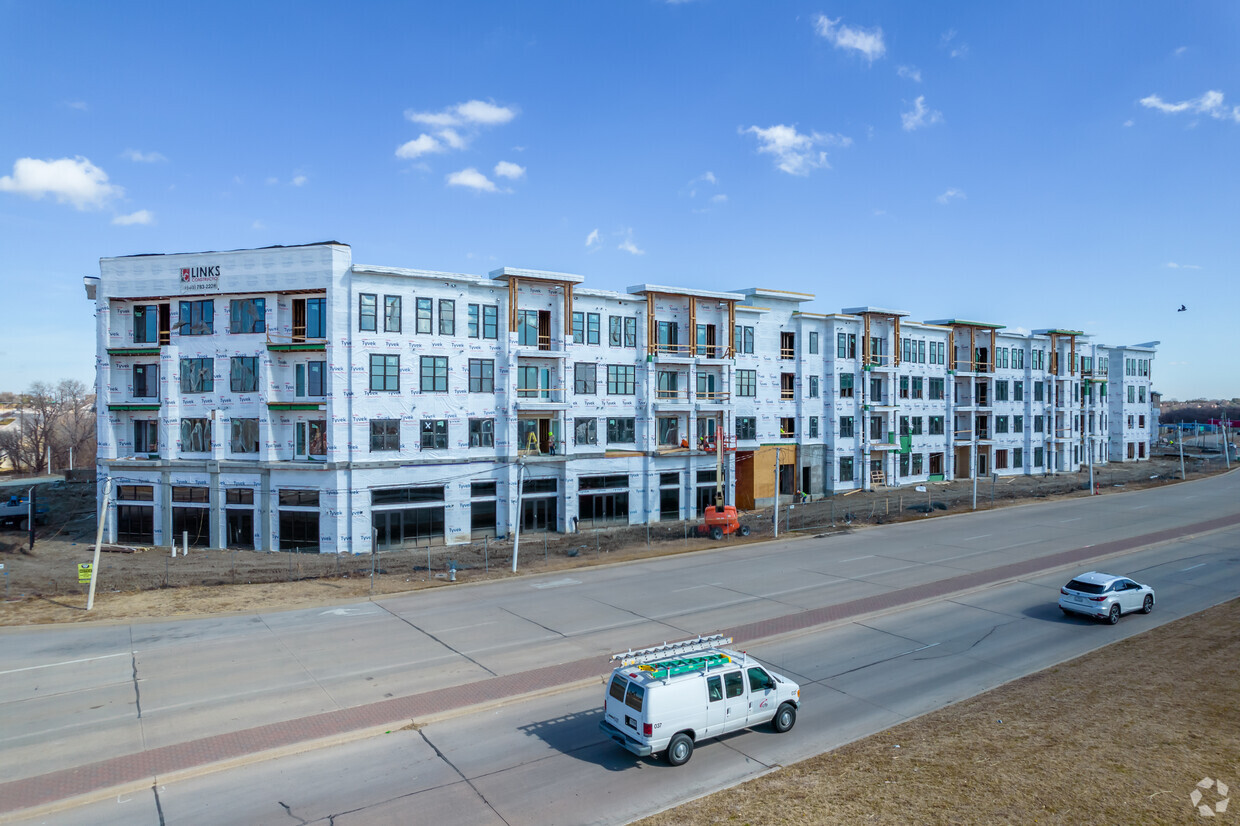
1121 735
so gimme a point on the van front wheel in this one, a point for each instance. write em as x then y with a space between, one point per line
680 749
784 718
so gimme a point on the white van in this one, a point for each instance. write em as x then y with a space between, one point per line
666 698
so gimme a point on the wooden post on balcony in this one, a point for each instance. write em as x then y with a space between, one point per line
993 349
568 309
732 327
865 340
692 325
1072 357
512 303
896 358
651 330
972 349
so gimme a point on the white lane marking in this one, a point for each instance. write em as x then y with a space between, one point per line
923 648
348 612
464 627
855 558
693 588
1190 567
69 662
1018 545
556 583
1073 519
979 536
1139 507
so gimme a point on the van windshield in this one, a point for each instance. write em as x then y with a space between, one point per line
633 699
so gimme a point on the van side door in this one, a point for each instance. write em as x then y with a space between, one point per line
716 707
736 701
763 697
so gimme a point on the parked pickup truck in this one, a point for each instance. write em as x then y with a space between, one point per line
16 509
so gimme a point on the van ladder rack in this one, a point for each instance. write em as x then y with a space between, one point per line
671 650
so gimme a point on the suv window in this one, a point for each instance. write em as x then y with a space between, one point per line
759 680
1084 587
617 687
633 698
734 683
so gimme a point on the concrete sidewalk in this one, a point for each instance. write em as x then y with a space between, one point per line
63 789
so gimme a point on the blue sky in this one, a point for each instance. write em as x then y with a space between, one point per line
1029 164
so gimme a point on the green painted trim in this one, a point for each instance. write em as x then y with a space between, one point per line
133 406
293 406
134 351
297 348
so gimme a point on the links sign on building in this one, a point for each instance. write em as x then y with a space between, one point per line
200 279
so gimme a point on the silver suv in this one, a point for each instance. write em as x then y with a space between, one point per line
1105 596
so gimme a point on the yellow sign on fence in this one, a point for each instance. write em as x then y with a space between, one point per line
84 569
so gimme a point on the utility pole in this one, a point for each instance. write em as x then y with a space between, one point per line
516 542
776 492
103 518
1181 441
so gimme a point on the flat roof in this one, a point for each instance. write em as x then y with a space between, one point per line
536 275
409 273
778 295
961 322
1051 331
872 311
243 249
638 289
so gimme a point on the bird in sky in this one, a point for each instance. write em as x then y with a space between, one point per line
1182 309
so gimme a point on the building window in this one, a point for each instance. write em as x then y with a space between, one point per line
434 374
621 379
846 468
813 344
743 340
904 463
787 345
145 436
630 332
813 427
424 316
146 324
482 433
309 379
1037 424
667 337
615 330
391 313
146 381
245 435
592 328
746 382
384 372
1037 457
787 386
787 427
585 431
197 375
309 318
434 434
481 375
1001 391
527 328
936 389
669 430
312 438
197 318
367 312
243 374
490 321
917 460
1001 424
1037 391
579 328
1018 453
247 315
385 434
195 435
846 345
846 427
584 377
621 431
936 425
813 387
915 430
1018 424
447 317
472 322
1018 388
846 384
904 387
746 428
921 352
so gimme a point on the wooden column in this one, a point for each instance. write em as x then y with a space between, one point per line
651 331
692 325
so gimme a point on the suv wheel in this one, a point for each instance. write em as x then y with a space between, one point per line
1148 605
1113 615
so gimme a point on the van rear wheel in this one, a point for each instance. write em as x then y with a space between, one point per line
680 749
784 718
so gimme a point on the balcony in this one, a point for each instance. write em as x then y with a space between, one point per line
712 397
296 343
541 398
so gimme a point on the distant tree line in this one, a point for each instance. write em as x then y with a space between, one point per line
60 417
1200 412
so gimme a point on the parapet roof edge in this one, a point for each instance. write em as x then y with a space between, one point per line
960 322
1052 331
872 311
216 252
778 295
662 289
412 273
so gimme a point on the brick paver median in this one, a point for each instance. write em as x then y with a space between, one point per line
44 789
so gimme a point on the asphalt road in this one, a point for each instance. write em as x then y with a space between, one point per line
72 695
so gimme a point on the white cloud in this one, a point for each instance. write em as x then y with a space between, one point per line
272 180
258 225
471 112
627 245
950 195
79 105
472 179
719 199
878 213
910 72
137 156
423 144
1210 103
958 50
795 153
74 181
452 138
1180 51
299 180
920 116
1130 122
868 42
1176 266
593 240
142 216
511 171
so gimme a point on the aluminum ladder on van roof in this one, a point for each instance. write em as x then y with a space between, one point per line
672 650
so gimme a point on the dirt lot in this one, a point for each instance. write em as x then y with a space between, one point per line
1122 735
42 585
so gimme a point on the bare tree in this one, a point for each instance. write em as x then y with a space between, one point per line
59 418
